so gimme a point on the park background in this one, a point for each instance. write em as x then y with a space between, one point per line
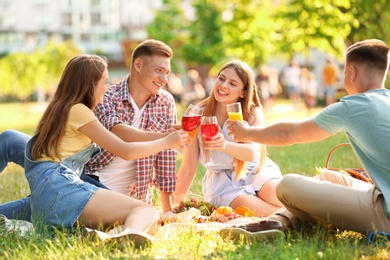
203 34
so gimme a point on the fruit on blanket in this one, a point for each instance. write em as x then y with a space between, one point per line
224 210
244 211
224 217
205 208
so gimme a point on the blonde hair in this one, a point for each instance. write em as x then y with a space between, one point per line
249 103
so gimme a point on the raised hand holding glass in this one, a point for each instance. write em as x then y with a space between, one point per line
234 111
190 121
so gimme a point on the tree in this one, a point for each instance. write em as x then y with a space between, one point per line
170 26
23 73
221 29
247 30
204 45
304 24
371 19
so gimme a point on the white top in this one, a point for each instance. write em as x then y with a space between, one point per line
219 186
119 175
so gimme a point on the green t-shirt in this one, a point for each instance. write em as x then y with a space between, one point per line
365 119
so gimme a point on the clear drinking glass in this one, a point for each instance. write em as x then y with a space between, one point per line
235 112
209 128
190 121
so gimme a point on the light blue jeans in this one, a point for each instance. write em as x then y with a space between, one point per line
12 145
58 195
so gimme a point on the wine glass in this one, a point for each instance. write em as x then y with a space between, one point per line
209 128
190 121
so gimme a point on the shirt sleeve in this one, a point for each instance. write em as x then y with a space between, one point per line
80 115
333 118
110 112
165 168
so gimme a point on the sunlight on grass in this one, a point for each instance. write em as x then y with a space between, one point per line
186 244
21 116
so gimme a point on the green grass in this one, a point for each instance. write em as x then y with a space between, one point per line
186 244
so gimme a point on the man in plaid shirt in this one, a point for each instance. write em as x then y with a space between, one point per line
135 109
139 102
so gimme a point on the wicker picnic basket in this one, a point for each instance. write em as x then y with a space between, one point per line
358 173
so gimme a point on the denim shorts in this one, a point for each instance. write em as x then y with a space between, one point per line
58 195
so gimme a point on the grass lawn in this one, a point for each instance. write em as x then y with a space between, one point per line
187 244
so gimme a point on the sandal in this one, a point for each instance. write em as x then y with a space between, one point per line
262 225
261 231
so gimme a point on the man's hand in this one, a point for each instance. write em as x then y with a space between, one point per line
239 130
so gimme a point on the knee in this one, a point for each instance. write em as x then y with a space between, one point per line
7 135
327 175
288 185
154 214
151 212
13 138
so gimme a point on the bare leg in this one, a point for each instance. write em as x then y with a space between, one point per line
259 206
268 193
107 207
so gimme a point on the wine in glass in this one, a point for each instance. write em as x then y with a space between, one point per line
209 128
190 121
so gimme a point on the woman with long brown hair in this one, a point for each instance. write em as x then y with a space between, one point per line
65 140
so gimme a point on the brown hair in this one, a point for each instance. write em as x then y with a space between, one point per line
76 85
371 52
248 105
151 48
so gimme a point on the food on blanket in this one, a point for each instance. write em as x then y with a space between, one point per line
205 208
224 210
232 215
244 211
225 217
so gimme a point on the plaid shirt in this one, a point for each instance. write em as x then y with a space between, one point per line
158 116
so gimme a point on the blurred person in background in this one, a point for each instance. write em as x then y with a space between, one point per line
330 77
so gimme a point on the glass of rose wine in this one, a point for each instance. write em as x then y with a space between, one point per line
190 121
209 128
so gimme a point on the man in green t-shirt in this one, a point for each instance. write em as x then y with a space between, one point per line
332 198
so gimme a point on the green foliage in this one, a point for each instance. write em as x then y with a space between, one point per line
253 30
248 31
370 20
22 73
170 26
204 45
304 24
221 30
169 23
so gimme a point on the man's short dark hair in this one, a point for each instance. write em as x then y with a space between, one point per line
372 52
152 48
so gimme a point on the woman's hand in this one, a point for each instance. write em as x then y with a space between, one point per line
176 138
173 128
217 142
